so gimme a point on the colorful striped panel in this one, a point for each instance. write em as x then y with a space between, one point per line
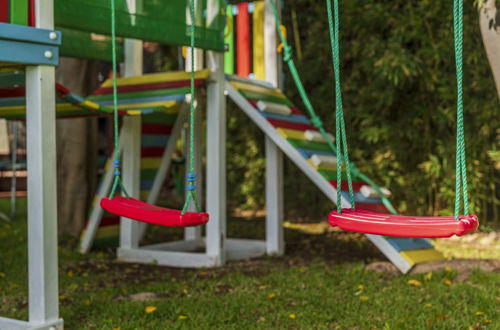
292 134
251 95
402 244
149 87
307 153
243 87
325 167
229 41
258 40
19 12
4 11
142 94
142 102
291 125
154 140
301 119
414 257
359 198
243 40
309 145
356 186
155 78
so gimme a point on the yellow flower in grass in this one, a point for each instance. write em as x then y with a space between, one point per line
182 317
478 313
415 283
292 316
2 274
271 296
360 287
150 309
363 298
428 276
447 282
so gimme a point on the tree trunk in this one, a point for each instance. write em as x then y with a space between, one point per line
489 20
76 149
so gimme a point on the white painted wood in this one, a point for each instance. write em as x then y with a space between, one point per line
368 192
316 136
238 249
181 246
270 107
254 82
11 324
315 177
216 150
491 37
323 160
42 204
131 169
271 64
130 230
275 243
391 253
168 258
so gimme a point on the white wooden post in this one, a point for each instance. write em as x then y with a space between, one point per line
42 187
216 150
274 157
275 243
130 230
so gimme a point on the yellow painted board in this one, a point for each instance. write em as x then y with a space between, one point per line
324 167
90 105
12 110
108 231
418 256
144 195
150 162
257 89
292 134
259 68
157 78
136 106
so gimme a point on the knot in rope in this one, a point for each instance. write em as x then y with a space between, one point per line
287 53
317 122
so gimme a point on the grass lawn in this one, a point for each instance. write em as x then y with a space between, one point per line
321 283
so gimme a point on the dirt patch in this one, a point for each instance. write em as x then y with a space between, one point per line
463 267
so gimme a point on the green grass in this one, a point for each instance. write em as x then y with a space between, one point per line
321 283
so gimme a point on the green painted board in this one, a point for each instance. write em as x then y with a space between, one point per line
160 118
19 12
148 174
264 97
229 41
303 144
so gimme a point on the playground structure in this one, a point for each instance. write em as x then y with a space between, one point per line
287 132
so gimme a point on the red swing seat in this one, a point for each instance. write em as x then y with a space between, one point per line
137 210
368 222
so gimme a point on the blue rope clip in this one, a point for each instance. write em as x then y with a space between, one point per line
116 164
191 179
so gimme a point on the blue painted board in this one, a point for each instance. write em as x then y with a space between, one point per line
358 197
28 34
308 153
27 53
293 118
177 98
404 244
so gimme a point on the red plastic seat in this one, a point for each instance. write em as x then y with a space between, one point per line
135 209
368 222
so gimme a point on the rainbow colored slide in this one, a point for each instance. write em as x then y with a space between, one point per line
295 135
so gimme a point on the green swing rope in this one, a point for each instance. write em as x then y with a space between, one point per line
316 121
191 176
461 166
116 162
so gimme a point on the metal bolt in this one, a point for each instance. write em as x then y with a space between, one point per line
53 36
48 54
